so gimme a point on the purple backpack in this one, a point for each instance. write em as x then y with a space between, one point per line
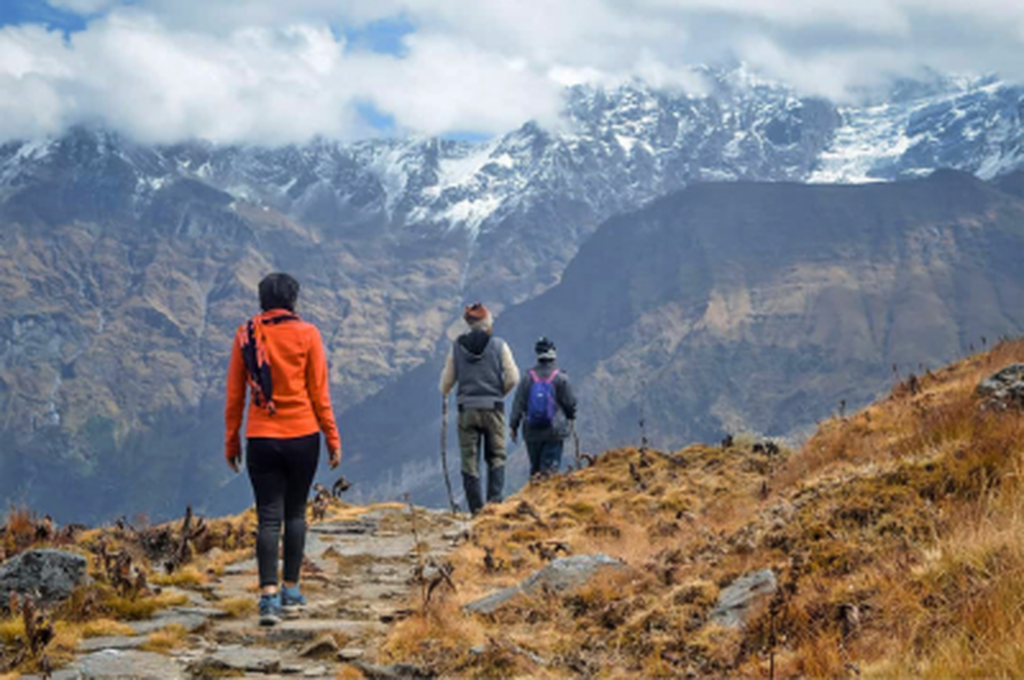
540 407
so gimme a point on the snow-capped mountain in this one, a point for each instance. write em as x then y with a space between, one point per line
615 150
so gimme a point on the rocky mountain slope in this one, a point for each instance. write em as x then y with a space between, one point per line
738 306
125 268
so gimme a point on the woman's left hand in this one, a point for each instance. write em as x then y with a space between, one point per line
334 459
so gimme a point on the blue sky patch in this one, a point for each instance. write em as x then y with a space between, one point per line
383 36
383 123
14 12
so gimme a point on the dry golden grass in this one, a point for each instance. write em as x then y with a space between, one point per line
896 533
164 641
137 609
188 576
238 607
104 628
11 629
349 672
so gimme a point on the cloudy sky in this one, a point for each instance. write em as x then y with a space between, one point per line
279 71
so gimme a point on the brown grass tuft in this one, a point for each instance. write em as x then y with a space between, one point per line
164 641
238 607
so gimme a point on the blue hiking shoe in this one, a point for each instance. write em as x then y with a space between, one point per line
292 602
270 610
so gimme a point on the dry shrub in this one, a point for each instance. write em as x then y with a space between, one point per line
20 531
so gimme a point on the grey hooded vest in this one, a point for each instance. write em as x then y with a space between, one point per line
480 376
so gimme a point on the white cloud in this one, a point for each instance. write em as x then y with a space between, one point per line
269 71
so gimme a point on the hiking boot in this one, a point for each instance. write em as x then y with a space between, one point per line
293 603
270 610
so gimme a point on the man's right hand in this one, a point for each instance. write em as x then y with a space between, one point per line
235 462
334 458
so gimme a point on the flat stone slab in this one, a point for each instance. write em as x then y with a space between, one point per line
399 671
349 527
375 546
560 575
351 653
735 600
190 622
237 658
248 566
111 642
110 664
302 630
206 612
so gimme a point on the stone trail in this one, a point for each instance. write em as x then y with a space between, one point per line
358 578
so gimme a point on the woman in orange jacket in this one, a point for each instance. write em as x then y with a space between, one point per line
279 360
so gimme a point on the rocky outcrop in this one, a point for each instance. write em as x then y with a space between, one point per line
561 575
48 576
1005 388
736 599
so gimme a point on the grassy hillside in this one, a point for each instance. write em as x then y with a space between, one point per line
895 534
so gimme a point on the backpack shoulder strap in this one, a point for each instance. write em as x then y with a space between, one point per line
547 380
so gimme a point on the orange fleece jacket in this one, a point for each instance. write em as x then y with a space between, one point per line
298 368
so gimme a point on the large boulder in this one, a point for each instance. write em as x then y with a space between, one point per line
561 575
48 576
1004 388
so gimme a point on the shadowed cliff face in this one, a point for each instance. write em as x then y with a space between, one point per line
745 306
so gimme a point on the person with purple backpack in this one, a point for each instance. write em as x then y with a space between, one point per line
545 406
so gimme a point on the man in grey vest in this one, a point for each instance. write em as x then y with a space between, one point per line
485 371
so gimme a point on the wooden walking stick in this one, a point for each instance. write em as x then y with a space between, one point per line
444 453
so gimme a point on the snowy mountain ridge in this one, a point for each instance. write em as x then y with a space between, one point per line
617 149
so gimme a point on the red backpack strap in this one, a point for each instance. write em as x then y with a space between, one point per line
549 379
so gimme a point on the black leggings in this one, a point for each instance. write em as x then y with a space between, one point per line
281 472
